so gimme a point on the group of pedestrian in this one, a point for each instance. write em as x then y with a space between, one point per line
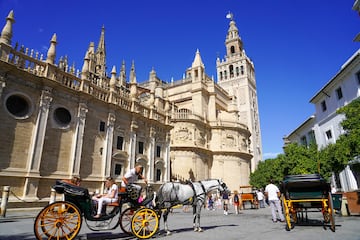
268 197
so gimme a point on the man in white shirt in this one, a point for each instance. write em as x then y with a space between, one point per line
272 193
131 177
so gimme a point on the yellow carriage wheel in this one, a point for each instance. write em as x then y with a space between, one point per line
144 223
59 220
331 213
287 206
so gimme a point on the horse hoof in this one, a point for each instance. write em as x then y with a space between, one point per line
200 230
195 229
168 233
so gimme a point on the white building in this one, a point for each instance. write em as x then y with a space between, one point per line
324 126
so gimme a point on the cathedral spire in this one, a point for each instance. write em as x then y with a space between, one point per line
133 85
197 60
6 33
197 68
132 73
122 76
101 44
51 54
100 54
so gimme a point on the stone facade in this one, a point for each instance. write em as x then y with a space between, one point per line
57 124
61 123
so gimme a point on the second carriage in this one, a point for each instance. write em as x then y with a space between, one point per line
63 219
303 194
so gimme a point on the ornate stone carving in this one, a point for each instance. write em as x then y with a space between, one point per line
229 140
82 110
200 137
111 119
183 134
46 98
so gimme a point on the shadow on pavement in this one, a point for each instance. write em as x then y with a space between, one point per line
18 237
178 230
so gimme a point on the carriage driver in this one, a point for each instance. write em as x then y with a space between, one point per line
129 179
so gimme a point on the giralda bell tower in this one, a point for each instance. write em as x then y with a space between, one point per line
236 74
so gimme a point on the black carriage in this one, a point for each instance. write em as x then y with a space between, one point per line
305 193
63 219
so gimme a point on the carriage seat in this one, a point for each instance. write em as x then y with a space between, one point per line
113 204
64 187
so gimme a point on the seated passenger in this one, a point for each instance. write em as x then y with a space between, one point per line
74 181
109 197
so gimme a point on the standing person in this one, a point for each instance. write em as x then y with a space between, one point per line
260 196
225 197
131 177
109 197
272 193
210 202
236 202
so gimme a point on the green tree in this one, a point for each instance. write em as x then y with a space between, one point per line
268 169
298 159
347 147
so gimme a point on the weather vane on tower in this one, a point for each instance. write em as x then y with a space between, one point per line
230 16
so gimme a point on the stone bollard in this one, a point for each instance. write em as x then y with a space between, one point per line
4 200
52 196
344 209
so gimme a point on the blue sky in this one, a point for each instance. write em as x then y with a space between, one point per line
297 46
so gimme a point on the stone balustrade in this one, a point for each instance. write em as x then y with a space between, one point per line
94 85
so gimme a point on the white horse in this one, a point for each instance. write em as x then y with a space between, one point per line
193 193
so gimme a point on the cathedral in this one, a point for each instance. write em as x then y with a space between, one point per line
58 123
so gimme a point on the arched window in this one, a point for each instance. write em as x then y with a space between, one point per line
159 170
231 70
237 71
232 49
158 175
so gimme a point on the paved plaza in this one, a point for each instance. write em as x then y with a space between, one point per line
249 224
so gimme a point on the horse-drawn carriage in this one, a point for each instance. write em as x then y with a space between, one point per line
63 219
301 193
249 197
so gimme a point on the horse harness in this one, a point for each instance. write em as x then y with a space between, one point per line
196 196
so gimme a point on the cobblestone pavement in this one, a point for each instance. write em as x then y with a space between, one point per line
249 224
